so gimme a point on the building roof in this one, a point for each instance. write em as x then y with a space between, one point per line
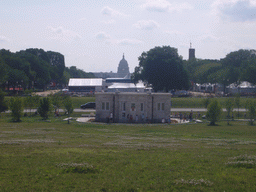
126 85
85 82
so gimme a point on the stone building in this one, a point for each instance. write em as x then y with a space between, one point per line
133 107
123 69
191 53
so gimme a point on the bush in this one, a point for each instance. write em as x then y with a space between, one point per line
250 106
44 107
214 110
16 106
68 105
3 104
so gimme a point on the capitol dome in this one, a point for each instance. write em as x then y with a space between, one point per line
123 68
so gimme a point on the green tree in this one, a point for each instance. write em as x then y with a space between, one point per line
44 107
162 68
250 106
31 102
16 106
56 100
229 104
68 105
206 102
3 104
237 102
214 111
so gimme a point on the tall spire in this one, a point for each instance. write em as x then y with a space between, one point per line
123 55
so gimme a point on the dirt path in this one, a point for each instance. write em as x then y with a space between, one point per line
45 93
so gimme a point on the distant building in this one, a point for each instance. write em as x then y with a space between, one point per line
85 85
127 87
133 107
191 53
122 71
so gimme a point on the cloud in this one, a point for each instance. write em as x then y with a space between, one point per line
109 22
102 36
132 42
111 12
63 34
146 25
235 10
174 32
4 39
165 6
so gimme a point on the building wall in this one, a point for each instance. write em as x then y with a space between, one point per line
133 107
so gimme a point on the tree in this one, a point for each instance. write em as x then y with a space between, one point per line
229 104
68 105
214 110
206 102
3 104
250 106
56 101
162 68
237 102
16 106
31 102
44 107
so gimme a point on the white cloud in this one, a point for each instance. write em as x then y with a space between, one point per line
63 34
165 6
111 12
4 39
146 25
109 22
235 10
132 42
174 32
102 36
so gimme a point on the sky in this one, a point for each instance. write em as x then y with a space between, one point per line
93 35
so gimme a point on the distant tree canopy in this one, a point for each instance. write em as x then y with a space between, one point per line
35 68
162 68
235 67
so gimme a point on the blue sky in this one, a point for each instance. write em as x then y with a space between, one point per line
94 34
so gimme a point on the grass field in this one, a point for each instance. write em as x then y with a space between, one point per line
177 102
55 156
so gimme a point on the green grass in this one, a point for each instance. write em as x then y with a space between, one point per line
198 102
78 101
55 156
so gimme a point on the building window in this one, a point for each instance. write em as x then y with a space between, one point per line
105 106
123 106
160 106
133 107
141 107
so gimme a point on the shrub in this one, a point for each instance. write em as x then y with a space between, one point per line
16 106
229 104
44 107
3 104
214 110
250 106
68 105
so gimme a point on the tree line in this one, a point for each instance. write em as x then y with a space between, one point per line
164 69
44 105
35 69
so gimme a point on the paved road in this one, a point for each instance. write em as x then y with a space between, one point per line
172 109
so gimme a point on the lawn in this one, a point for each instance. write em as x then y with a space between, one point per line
55 156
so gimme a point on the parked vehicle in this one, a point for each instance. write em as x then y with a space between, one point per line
90 105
